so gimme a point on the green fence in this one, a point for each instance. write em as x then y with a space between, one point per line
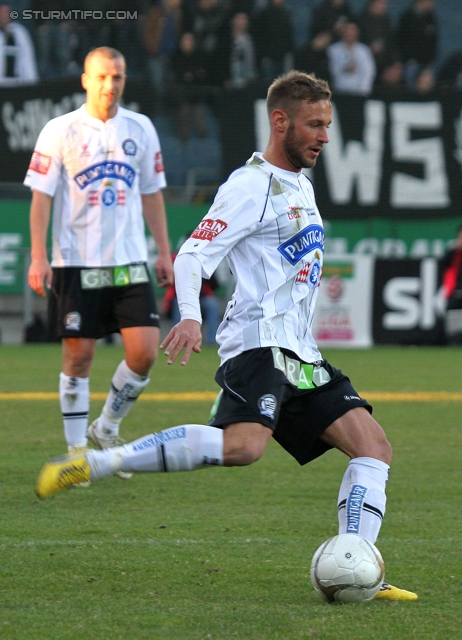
385 238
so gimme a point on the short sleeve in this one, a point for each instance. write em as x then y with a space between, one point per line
46 162
152 173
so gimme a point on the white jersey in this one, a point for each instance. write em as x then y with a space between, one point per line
266 222
96 172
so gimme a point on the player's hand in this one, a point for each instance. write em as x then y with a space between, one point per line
39 274
184 335
164 270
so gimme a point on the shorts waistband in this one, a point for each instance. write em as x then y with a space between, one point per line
99 278
300 374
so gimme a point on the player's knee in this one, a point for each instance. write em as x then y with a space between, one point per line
244 443
142 363
242 455
78 365
386 451
379 447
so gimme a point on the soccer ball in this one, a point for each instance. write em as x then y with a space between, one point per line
347 568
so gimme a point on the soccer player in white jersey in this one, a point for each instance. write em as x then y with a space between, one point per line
101 167
274 380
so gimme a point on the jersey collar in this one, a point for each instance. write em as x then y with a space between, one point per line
96 122
289 175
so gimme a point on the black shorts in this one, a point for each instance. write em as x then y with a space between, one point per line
78 312
297 400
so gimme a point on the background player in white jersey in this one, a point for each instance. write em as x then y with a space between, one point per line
274 381
101 166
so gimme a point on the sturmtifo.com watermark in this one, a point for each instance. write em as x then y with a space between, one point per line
74 14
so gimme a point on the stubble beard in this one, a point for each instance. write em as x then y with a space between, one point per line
293 151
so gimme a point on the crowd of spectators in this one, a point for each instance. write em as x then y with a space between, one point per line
234 43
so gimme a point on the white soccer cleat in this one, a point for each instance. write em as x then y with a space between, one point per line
107 442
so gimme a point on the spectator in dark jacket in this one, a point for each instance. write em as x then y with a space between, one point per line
331 15
377 32
162 28
417 38
274 39
313 58
190 71
206 24
450 73
236 55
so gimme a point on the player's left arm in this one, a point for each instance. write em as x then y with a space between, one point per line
156 219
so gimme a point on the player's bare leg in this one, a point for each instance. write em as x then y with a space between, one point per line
244 443
141 345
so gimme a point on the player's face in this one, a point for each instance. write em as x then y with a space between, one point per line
104 82
307 134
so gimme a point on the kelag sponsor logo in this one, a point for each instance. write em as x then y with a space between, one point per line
306 240
111 169
40 163
208 229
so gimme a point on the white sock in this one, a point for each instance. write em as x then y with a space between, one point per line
74 396
126 386
362 500
184 448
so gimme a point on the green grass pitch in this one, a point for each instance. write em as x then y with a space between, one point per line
225 553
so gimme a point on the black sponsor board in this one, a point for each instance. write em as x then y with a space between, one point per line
407 302
395 155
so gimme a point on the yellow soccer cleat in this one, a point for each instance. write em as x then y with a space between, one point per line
388 592
61 473
71 450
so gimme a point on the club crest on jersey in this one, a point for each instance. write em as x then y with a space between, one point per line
108 169
267 405
72 321
310 273
314 273
302 243
84 153
129 147
208 229
93 198
109 198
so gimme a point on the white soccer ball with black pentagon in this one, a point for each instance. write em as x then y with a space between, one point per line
347 568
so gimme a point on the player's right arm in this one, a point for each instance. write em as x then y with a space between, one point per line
187 333
40 270
234 214
43 176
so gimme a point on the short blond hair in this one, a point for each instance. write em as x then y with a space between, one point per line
104 52
291 89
